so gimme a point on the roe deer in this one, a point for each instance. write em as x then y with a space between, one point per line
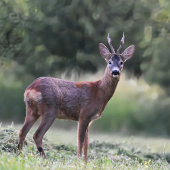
53 98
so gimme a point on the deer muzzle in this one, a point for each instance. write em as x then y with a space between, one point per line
115 73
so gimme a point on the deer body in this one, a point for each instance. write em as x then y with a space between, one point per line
53 98
69 98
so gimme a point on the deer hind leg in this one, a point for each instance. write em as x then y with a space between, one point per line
31 118
82 135
47 120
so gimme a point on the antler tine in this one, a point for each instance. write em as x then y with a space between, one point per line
109 41
122 42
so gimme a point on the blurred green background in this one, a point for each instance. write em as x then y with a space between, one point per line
60 39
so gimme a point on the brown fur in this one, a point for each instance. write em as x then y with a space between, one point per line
53 98
78 85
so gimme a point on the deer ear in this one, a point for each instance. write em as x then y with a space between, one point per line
128 52
104 52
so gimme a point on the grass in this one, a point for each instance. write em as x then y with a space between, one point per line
121 154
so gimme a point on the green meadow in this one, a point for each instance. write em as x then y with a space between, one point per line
106 151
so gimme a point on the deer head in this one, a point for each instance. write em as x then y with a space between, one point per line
115 60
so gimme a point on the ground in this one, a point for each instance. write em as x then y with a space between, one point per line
106 151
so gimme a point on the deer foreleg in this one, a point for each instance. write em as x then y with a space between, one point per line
86 144
82 129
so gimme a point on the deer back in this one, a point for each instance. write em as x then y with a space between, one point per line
68 98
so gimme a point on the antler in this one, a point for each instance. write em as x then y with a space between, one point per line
109 41
122 42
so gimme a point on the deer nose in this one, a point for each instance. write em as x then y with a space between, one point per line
115 72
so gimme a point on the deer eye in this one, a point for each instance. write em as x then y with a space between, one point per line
109 62
121 63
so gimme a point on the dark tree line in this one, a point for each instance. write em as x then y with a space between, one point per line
50 36
47 38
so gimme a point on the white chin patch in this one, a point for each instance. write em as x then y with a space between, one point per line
115 75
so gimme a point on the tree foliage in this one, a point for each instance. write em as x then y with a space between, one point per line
156 43
47 38
50 36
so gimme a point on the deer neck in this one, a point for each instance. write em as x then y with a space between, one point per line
108 84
